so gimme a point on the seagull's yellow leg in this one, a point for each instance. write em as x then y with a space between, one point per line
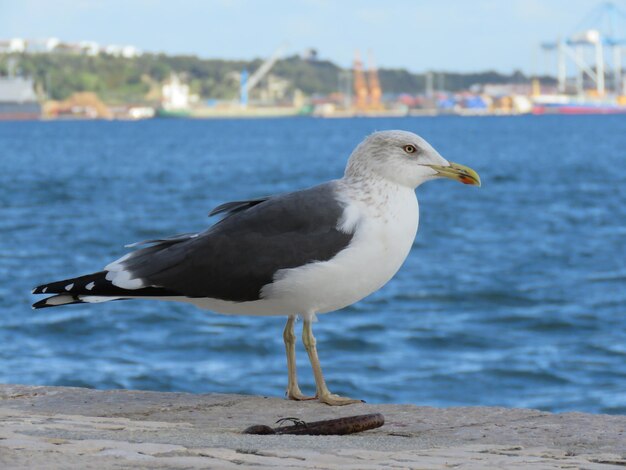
293 391
323 394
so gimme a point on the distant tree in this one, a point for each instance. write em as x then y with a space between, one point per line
118 79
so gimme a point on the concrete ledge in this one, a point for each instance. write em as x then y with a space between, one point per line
60 427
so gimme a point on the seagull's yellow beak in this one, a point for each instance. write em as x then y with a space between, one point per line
461 173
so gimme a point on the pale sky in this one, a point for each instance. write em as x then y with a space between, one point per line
451 35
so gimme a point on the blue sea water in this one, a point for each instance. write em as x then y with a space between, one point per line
514 294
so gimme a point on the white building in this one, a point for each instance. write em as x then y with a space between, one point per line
89 48
55 45
122 51
14 45
42 45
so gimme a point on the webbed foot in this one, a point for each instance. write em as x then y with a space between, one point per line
336 400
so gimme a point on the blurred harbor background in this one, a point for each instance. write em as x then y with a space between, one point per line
53 78
513 295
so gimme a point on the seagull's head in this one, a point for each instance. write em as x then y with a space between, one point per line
406 159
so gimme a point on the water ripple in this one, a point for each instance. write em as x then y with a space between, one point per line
513 295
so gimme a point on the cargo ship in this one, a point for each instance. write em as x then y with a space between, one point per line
175 102
578 108
578 104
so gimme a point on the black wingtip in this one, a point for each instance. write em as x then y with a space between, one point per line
41 304
44 289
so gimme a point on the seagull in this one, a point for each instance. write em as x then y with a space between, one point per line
297 254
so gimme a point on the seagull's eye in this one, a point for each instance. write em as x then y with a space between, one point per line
409 148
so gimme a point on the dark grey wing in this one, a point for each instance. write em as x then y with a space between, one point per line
239 255
165 241
236 206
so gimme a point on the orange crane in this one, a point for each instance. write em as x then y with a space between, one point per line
360 87
375 92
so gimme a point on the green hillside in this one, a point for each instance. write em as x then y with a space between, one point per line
119 80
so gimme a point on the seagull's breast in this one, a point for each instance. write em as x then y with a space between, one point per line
384 230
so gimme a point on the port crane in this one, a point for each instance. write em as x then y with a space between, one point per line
248 82
600 33
368 93
360 86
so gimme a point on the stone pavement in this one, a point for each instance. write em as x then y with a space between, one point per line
75 428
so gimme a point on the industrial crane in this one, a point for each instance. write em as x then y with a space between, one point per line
368 98
247 83
601 33
360 87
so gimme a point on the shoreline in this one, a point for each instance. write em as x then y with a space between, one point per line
66 427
